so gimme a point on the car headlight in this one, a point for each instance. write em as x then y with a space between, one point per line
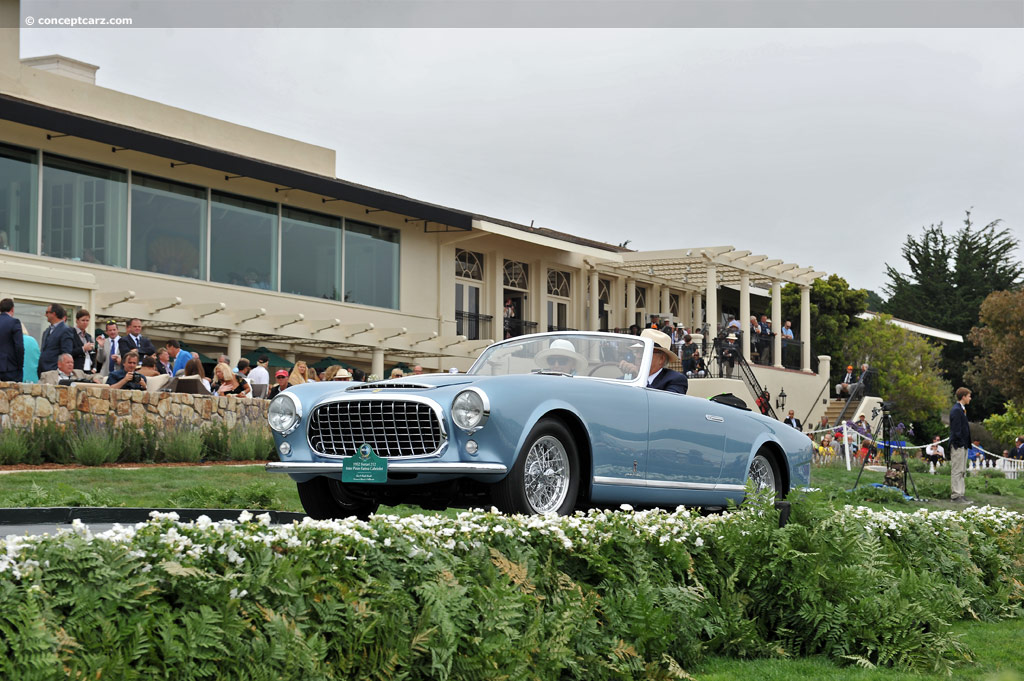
284 413
470 409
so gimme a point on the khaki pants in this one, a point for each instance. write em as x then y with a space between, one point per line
958 465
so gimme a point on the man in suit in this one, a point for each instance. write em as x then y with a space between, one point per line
136 341
108 352
56 338
83 346
959 441
792 420
661 377
12 345
843 387
65 373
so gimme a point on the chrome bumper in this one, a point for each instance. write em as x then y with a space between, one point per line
395 466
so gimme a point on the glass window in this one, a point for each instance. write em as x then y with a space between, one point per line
517 275
243 242
168 227
18 179
310 254
558 283
469 265
371 265
84 211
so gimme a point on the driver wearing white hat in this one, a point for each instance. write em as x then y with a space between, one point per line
561 356
661 377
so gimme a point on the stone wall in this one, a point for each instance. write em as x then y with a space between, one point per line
24 404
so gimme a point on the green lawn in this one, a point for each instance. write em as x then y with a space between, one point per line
984 488
153 487
996 648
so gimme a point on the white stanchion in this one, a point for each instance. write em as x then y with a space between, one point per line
846 447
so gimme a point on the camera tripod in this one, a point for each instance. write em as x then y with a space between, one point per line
894 456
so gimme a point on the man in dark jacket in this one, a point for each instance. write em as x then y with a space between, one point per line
56 338
959 441
84 346
134 340
12 345
661 377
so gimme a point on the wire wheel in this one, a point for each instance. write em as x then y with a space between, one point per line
762 474
546 474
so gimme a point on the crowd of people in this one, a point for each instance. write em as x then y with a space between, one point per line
123 358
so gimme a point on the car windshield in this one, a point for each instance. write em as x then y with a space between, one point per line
611 356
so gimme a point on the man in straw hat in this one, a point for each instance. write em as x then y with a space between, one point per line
561 356
661 377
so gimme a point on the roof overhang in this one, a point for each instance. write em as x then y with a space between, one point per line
689 267
174 149
919 329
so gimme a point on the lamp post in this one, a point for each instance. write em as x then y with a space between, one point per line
780 399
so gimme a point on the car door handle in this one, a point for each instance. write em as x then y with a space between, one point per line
712 417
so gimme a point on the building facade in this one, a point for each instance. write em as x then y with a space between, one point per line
230 238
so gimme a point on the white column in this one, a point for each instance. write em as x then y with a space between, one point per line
377 363
805 328
711 301
686 309
777 322
666 304
630 302
696 309
234 347
745 313
593 321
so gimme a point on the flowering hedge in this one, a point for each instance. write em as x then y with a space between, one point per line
605 595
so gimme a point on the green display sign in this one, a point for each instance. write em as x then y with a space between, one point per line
365 467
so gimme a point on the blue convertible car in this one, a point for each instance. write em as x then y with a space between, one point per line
544 423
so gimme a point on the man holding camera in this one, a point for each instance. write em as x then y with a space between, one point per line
126 376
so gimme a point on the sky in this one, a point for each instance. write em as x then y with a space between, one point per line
822 147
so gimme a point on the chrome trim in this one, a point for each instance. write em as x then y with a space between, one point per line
667 484
297 403
388 397
640 380
399 384
487 409
394 466
712 417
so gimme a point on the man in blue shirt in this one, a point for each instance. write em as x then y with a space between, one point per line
178 356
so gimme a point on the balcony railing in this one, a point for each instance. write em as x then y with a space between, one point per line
519 327
473 326
792 351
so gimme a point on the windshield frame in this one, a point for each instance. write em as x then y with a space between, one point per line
639 379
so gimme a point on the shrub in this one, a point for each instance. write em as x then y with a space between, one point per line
35 496
256 495
48 444
138 443
93 444
14 445
182 445
248 443
602 595
215 441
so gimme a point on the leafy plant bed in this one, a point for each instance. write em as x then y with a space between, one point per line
606 595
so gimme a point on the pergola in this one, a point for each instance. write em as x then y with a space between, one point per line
700 271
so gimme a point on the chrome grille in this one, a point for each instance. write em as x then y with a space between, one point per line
394 428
